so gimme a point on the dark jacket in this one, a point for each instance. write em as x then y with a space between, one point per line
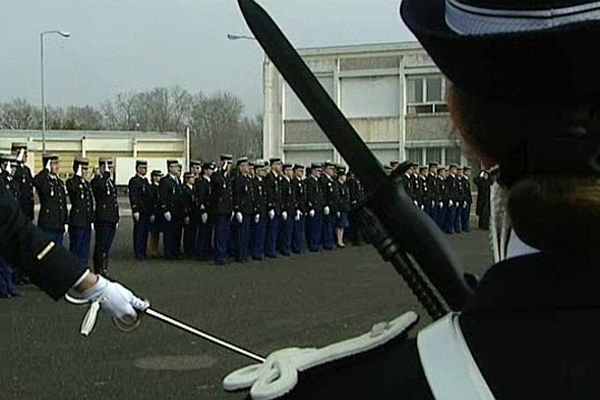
259 197
315 194
188 200
300 194
24 181
10 184
222 196
344 196
273 188
331 194
453 189
242 195
80 193
53 201
50 267
288 202
139 196
357 191
105 195
170 195
203 191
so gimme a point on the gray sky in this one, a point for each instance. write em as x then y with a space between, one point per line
129 45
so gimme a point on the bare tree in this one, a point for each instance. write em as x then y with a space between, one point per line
119 114
82 118
18 114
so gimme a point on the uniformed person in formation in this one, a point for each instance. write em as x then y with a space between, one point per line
107 213
243 208
482 208
441 197
288 208
341 222
424 192
189 207
195 168
156 217
330 204
24 179
273 188
433 189
8 278
314 222
301 197
171 207
259 220
452 196
141 208
466 198
203 194
357 196
222 208
81 215
51 191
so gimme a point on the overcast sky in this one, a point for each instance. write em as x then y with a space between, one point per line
130 45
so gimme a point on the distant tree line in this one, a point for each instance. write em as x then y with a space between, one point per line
216 121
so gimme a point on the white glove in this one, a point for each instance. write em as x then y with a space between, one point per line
92 226
311 213
168 216
116 300
422 207
232 215
271 214
465 204
239 217
152 219
186 220
326 210
257 218
204 218
66 228
441 204
284 215
136 216
451 203
338 214
297 216
416 203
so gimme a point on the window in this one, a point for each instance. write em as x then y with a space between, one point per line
426 94
453 155
433 154
415 155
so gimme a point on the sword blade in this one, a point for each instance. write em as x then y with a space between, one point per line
213 339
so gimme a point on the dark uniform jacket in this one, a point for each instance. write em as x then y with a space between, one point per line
273 188
53 201
331 194
24 180
315 194
483 195
188 200
153 195
433 189
288 202
222 197
139 196
170 195
105 195
466 190
202 190
532 328
242 194
442 191
10 184
424 193
82 202
408 184
357 191
453 189
344 195
50 267
259 197
300 194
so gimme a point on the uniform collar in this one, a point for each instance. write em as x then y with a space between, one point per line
207 178
538 281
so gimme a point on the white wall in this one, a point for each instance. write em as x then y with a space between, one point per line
125 167
294 109
364 97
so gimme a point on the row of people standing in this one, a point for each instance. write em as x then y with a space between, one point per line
247 211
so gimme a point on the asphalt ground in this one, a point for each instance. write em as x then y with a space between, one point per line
303 301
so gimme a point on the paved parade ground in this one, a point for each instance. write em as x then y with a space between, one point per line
302 301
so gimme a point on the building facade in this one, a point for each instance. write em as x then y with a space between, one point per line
391 93
124 147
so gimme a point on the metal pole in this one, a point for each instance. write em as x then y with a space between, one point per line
43 100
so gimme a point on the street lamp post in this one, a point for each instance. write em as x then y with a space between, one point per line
65 35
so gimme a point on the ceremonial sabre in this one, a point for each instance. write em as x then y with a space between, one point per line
89 322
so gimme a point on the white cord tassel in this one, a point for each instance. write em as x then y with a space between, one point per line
20 155
79 170
48 163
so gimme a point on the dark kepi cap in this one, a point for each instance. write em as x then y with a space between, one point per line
274 160
83 161
171 163
188 175
341 170
156 172
316 165
209 165
6 157
141 163
452 166
298 166
195 163
508 51
394 163
329 164
226 157
287 165
49 157
18 146
433 165
105 160
241 160
467 168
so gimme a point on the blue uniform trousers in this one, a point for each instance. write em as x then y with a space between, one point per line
190 235
465 218
449 219
328 225
314 228
242 238
222 224
6 279
141 229
286 232
271 239
55 235
299 235
457 218
172 239
79 243
105 234
204 240
260 231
